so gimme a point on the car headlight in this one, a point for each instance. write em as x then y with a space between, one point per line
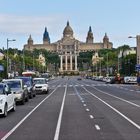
45 86
1 101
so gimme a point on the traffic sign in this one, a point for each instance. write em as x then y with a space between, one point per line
137 67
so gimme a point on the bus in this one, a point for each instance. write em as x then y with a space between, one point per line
28 74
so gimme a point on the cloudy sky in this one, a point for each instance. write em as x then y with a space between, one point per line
118 18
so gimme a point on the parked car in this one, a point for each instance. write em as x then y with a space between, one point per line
40 85
29 82
79 78
7 100
19 89
110 80
130 79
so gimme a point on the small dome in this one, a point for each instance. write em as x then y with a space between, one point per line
68 32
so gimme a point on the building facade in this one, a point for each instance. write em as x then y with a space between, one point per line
68 47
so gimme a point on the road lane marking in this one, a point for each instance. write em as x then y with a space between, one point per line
117 111
12 130
87 110
84 105
131 90
137 91
56 137
87 85
91 116
117 97
97 127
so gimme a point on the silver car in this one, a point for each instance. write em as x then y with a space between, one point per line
19 89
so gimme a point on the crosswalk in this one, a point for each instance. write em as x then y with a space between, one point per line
80 85
122 87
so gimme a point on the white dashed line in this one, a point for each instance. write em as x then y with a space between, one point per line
131 90
117 111
97 127
91 116
87 110
138 91
84 105
87 85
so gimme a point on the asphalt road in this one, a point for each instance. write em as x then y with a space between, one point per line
77 110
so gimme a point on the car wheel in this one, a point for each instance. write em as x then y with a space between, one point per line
5 110
27 99
14 107
47 91
34 94
23 101
31 96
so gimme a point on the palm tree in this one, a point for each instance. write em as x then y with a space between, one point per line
123 49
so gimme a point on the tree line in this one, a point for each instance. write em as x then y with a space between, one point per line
19 60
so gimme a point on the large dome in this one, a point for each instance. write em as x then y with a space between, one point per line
68 32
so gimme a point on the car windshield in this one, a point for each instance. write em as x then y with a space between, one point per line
39 81
27 81
14 84
1 89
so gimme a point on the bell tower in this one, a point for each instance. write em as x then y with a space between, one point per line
106 41
90 37
30 41
46 38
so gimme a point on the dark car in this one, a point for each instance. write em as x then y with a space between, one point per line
29 82
79 78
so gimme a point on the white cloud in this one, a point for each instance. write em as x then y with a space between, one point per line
28 24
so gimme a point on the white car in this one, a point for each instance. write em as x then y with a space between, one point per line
130 80
7 100
40 85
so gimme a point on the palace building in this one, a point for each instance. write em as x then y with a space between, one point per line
68 47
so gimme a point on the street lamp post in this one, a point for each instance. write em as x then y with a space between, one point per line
8 40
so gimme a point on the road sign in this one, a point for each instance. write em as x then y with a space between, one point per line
137 67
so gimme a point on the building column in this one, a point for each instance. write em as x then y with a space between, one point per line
66 62
76 62
61 62
71 62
